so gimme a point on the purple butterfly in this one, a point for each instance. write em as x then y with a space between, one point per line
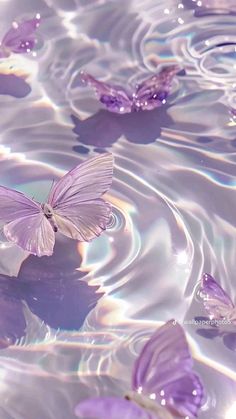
74 208
216 301
150 94
20 38
163 383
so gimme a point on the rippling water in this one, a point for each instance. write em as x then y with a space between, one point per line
72 324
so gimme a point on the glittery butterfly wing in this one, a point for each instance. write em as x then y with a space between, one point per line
216 301
20 38
112 408
153 92
79 211
114 98
163 372
25 223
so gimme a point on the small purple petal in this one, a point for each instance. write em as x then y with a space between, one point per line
216 301
111 408
20 38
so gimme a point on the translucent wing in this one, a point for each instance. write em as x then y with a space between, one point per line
75 199
153 92
20 38
112 408
216 301
164 371
114 98
84 221
25 223
14 205
33 233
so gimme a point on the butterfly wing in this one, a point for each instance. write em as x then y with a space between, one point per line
75 199
25 223
112 408
216 301
33 233
164 371
114 98
19 39
153 92
14 205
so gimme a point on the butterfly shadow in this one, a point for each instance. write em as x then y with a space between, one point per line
228 336
53 289
12 320
15 86
104 128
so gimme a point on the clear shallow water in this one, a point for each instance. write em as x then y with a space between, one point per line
72 324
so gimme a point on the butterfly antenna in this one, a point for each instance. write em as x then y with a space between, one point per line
50 190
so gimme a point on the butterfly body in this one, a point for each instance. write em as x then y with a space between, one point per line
74 208
49 214
149 404
148 95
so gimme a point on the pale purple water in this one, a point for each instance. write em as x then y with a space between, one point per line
71 325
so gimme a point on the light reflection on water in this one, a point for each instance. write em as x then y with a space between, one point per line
76 321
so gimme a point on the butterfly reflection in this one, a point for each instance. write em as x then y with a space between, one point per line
53 290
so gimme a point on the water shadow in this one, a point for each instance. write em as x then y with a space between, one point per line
104 128
215 331
15 86
52 289
12 320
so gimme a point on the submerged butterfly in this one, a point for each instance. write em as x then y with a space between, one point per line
74 208
216 301
20 37
149 95
163 383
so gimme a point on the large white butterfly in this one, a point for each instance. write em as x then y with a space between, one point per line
74 208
